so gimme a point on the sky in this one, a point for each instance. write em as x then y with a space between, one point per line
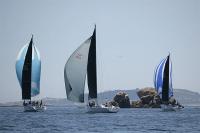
133 36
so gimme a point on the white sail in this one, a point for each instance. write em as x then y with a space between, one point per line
75 72
81 63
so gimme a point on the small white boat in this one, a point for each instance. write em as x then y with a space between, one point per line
31 108
102 109
170 107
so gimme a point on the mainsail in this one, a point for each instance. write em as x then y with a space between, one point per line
28 69
26 73
91 68
163 78
80 63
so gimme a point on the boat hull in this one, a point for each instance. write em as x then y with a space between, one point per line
30 108
168 108
102 109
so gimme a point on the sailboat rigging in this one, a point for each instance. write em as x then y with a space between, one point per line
163 84
81 63
28 69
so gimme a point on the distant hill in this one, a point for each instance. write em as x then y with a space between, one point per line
185 97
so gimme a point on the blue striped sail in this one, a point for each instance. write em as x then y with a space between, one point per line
158 77
36 68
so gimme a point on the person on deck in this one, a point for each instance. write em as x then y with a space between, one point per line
41 103
24 103
37 103
33 103
91 104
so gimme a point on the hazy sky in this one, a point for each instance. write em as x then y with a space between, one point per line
132 38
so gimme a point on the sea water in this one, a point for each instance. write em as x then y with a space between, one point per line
73 119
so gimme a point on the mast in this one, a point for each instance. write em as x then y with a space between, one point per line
26 73
91 68
165 87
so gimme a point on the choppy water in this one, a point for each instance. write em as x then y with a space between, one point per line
73 119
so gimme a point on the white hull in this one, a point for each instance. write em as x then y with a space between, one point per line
170 108
102 109
30 108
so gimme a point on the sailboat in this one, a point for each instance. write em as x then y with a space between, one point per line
28 69
163 84
81 63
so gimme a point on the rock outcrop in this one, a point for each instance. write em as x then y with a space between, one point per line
148 99
122 99
136 104
148 91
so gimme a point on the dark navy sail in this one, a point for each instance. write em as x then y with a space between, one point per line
165 87
26 73
91 68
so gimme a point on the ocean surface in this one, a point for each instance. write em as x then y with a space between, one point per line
73 119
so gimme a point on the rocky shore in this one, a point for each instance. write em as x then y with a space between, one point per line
148 98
